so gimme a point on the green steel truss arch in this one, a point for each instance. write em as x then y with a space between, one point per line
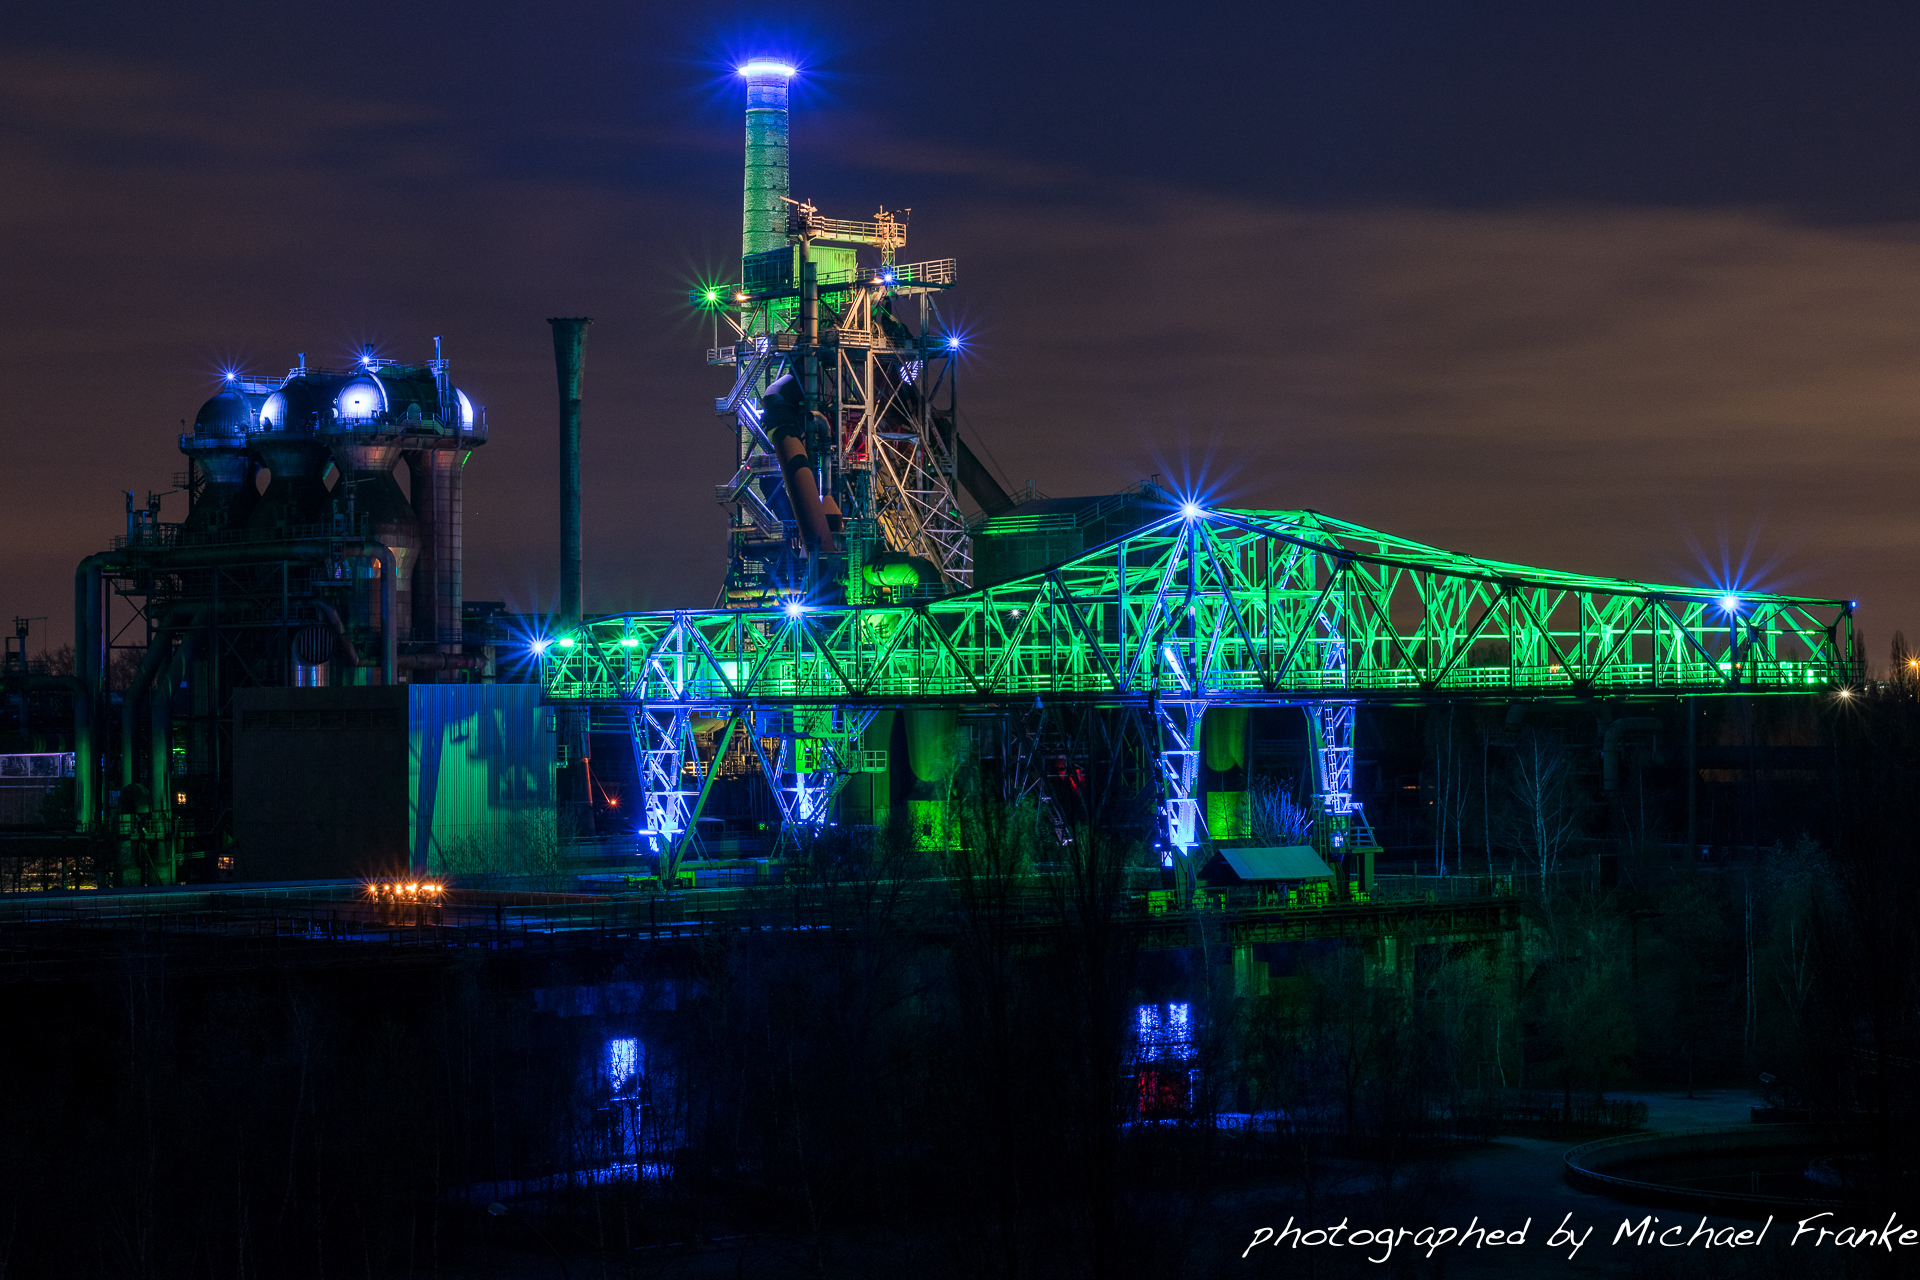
1217 608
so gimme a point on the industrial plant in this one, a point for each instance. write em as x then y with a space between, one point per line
962 832
304 591
895 629
879 642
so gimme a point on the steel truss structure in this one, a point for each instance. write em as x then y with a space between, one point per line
1203 608
888 458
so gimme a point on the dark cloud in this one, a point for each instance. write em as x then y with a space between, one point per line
1575 387
1582 385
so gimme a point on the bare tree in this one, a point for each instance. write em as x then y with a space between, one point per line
1796 880
1451 786
1278 819
528 843
1545 812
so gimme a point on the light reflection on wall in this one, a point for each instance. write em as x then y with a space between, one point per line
641 1112
623 1063
1163 1032
1162 1046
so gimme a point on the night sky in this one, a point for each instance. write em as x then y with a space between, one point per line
1609 288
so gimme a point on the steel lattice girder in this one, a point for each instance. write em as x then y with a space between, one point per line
1232 608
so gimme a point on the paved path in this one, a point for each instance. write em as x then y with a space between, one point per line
1519 1178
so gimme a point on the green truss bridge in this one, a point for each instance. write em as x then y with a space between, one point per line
1199 609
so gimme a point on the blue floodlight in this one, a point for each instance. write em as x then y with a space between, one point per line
539 646
1191 510
768 67
1730 604
795 608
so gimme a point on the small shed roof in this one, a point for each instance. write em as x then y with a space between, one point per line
1286 862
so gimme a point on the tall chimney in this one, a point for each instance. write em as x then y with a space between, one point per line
569 363
763 221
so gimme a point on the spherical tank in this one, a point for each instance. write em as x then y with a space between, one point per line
218 448
295 460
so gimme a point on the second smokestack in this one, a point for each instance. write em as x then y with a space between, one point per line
570 363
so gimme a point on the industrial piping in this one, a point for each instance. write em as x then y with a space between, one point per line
89 632
160 726
784 416
331 616
88 667
159 653
570 361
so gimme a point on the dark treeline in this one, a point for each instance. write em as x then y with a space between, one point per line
937 1071
953 1075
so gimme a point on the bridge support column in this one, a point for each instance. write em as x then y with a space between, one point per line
1340 827
1177 730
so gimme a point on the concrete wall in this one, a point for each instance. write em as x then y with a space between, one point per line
319 782
367 781
480 760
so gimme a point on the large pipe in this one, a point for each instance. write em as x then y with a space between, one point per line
89 633
162 657
389 572
450 552
368 488
159 649
437 591
570 363
331 616
807 358
785 420
763 218
448 595
161 743
423 493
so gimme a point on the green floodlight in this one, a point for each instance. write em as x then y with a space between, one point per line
711 295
